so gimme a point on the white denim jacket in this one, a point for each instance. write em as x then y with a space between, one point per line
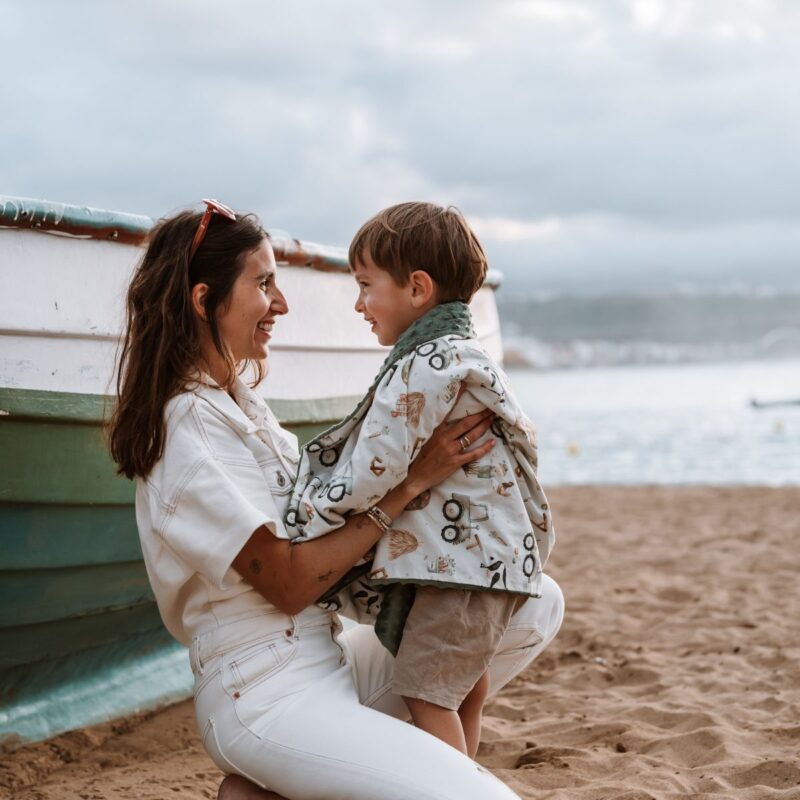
226 470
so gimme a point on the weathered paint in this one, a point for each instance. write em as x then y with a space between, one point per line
117 226
80 636
50 641
94 685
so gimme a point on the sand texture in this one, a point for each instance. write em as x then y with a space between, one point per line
676 674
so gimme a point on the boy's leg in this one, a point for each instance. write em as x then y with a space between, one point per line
471 712
443 723
532 628
530 631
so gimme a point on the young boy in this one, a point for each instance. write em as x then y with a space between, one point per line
449 572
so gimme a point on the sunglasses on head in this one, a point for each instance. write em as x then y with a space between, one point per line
212 207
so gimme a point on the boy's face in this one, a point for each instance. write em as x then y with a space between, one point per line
385 305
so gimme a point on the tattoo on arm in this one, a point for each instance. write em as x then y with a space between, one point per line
255 566
323 578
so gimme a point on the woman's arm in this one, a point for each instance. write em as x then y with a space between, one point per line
292 576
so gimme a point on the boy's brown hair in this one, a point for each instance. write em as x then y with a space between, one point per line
423 236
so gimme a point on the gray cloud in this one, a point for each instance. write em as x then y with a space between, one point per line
659 139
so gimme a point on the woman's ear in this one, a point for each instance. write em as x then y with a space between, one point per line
423 289
199 292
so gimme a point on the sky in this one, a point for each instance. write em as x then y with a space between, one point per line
594 146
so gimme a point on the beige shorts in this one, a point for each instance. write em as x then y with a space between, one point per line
449 639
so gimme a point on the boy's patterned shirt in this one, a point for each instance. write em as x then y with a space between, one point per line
486 527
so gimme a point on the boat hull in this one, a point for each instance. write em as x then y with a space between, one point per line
81 640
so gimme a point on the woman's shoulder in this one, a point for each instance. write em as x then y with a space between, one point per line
204 422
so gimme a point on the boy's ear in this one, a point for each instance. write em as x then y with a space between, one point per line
199 292
423 289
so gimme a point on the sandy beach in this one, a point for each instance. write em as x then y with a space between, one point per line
676 674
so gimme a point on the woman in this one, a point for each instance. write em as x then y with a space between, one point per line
283 698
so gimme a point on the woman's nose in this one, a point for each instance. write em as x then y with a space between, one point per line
279 304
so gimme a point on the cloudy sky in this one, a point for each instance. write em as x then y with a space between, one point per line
594 144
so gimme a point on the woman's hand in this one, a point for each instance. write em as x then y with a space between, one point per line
448 449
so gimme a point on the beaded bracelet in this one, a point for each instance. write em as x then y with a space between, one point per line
382 520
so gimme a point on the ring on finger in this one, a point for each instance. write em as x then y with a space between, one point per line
465 443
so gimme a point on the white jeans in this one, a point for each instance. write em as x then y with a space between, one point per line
310 715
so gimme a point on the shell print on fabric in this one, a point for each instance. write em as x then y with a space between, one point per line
420 501
401 542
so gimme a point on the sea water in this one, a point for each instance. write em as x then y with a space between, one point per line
677 424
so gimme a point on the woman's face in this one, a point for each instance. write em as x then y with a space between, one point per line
255 300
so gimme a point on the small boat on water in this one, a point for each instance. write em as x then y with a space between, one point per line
81 640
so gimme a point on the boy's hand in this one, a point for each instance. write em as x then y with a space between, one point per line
448 449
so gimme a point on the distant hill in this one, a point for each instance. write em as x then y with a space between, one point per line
642 327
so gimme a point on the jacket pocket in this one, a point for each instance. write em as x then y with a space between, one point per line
276 476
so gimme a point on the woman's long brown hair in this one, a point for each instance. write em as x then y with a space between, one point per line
161 346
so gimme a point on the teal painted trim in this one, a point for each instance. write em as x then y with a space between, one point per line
34 536
54 451
28 644
323 410
25 212
97 685
118 226
19 404
32 596
29 404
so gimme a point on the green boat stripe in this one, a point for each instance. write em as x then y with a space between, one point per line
85 535
32 596
94 408
26 644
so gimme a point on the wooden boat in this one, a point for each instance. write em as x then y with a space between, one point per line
80 636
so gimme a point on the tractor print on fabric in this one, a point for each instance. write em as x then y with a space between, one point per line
327 456
337 489
529 563
462 516
440 354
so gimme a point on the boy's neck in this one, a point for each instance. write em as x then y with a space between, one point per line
421 312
